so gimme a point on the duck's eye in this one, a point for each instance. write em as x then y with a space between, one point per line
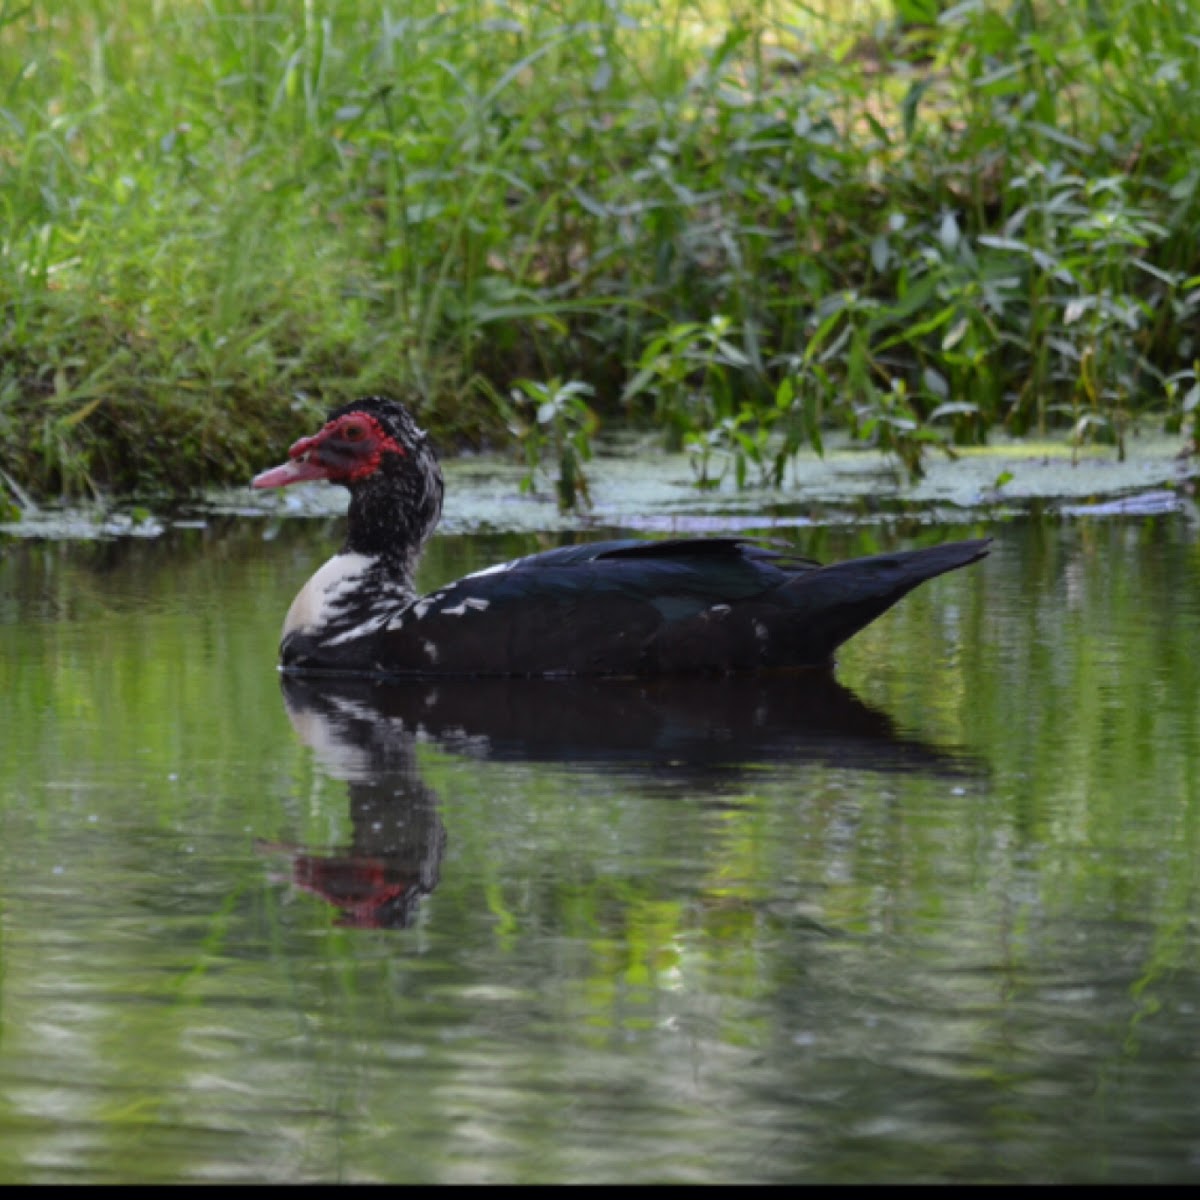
354 431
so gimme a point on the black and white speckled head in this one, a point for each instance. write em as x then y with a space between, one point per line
396 490
375 448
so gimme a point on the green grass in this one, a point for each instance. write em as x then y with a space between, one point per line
920 222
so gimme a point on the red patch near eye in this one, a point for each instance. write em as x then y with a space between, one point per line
361 427
348 449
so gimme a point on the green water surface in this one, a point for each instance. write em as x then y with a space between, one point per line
936 922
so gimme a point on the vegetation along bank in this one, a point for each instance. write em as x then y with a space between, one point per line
745 223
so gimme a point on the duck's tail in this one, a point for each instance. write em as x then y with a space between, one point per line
833 603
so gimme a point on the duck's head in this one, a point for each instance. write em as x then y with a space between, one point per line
375 448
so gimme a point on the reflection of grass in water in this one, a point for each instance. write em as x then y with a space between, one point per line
916 229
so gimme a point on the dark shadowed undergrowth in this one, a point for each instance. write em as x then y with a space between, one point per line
743 222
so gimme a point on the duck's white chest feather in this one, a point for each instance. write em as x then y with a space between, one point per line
330 596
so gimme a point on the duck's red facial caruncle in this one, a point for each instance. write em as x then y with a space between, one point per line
346 450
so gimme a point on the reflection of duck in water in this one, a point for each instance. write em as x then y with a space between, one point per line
702 732
622 608
398 839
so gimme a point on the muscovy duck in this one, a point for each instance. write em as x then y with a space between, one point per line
625 607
